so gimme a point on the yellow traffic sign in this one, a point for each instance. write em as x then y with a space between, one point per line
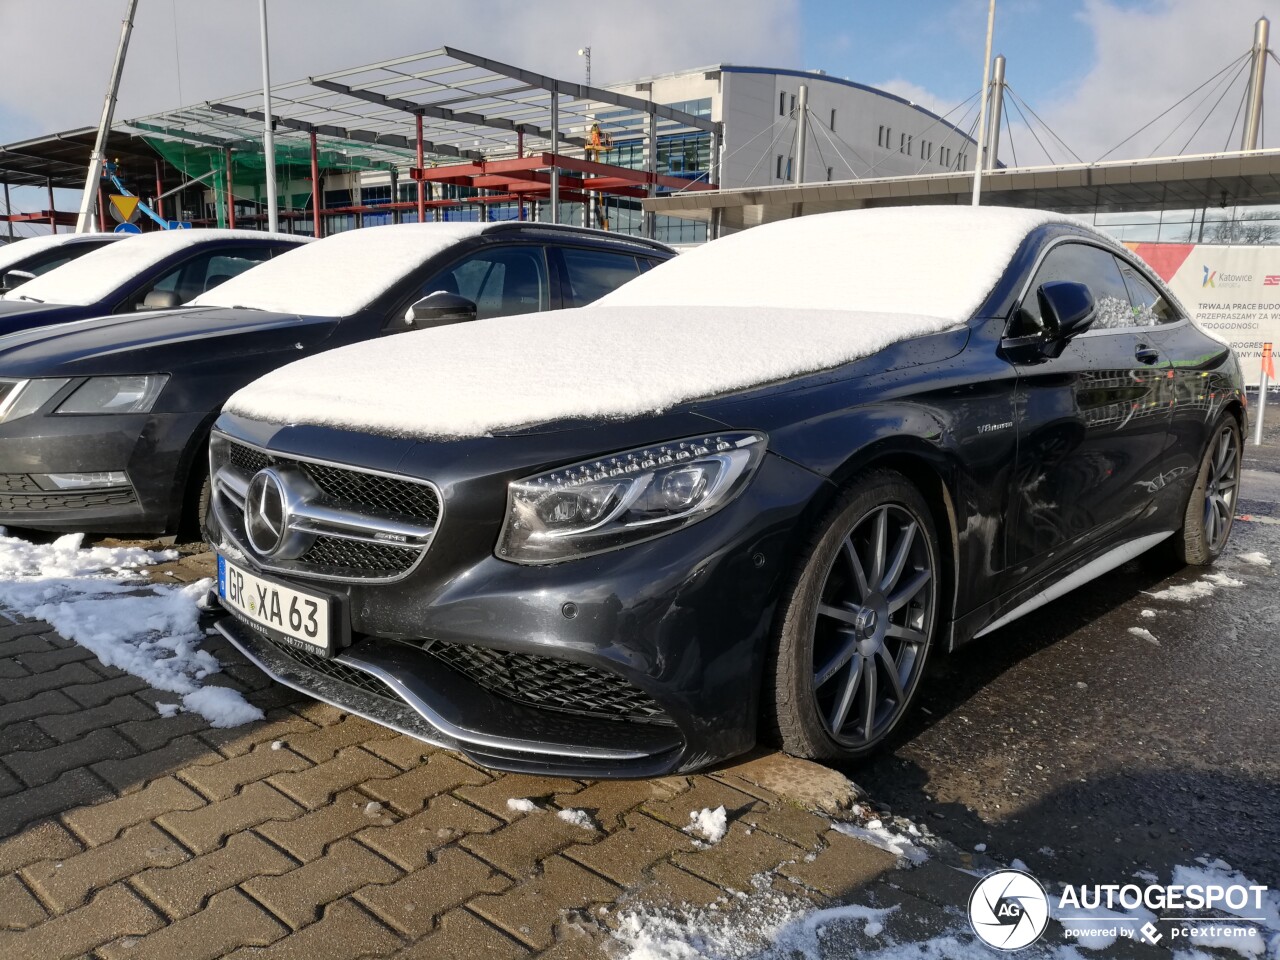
123 209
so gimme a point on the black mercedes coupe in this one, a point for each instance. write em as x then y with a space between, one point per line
104 423
748 494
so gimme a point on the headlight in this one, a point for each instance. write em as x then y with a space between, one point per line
134 394
625 498
20 398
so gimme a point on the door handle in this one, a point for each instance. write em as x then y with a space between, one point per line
1145 354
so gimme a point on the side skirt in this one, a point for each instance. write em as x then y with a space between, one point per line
1090 571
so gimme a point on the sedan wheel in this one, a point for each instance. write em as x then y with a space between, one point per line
1211 509
857 629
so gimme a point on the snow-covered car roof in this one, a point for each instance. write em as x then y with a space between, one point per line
11 253
341 274
776 301
90 278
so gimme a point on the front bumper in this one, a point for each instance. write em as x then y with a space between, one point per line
151 449
684 620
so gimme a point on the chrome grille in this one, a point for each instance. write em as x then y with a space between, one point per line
550 682
361 526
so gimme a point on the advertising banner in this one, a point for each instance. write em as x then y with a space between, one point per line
1232 291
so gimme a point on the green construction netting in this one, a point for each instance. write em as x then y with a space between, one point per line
248 167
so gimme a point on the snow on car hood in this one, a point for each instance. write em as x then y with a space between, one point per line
774 302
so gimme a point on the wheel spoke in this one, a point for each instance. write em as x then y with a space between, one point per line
900 555
838 613
859 576
832 666
840 709
904 594
891 668
871 700
879 544
909 634
1210 521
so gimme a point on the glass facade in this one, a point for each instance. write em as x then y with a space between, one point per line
1233 224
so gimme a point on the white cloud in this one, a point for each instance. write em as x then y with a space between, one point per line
58 52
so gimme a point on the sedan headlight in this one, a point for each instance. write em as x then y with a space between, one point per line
21 398
132 394
625 498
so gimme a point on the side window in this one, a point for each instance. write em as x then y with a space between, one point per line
1082 263
1150 308
202 272
590 274
500 281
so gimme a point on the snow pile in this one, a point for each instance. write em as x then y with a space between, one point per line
579 818
373 809
96 598
877 834
97 275
520 805
774 302
1206 586
341 274
1220 873
710 825
1256 558
1143 634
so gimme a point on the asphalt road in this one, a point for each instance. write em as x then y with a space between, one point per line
1090 753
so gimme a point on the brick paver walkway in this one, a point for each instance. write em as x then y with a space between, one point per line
317 834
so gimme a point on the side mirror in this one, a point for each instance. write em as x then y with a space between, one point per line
438 309
159 300
1067 308
15 278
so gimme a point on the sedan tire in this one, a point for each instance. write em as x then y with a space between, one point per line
857 625
1211 509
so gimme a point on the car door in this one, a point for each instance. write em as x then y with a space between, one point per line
501 280
1092 422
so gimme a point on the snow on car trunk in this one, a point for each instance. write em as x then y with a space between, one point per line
341 274
774 302
96 598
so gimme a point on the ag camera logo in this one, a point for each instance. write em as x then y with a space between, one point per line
1009 909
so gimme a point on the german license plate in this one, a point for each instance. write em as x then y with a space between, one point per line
299 617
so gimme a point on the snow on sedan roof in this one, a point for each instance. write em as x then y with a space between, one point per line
21 249
94 276
341 274
776 301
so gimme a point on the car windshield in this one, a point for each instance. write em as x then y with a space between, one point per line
97 275
930 261
342 274
19 250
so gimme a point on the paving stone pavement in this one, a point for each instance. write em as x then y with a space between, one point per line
316 834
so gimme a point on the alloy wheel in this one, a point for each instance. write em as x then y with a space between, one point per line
1220 489
871 625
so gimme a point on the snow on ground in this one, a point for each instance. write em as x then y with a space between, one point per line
1206 586
877 834
717 319
1148 614
1144 634
1256 558
95 597
521 805
710 825
579 818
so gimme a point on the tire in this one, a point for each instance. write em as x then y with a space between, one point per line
195 508
1211 508
831 629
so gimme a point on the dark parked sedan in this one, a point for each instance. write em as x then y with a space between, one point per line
748 494
150 271
104 424
23 260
